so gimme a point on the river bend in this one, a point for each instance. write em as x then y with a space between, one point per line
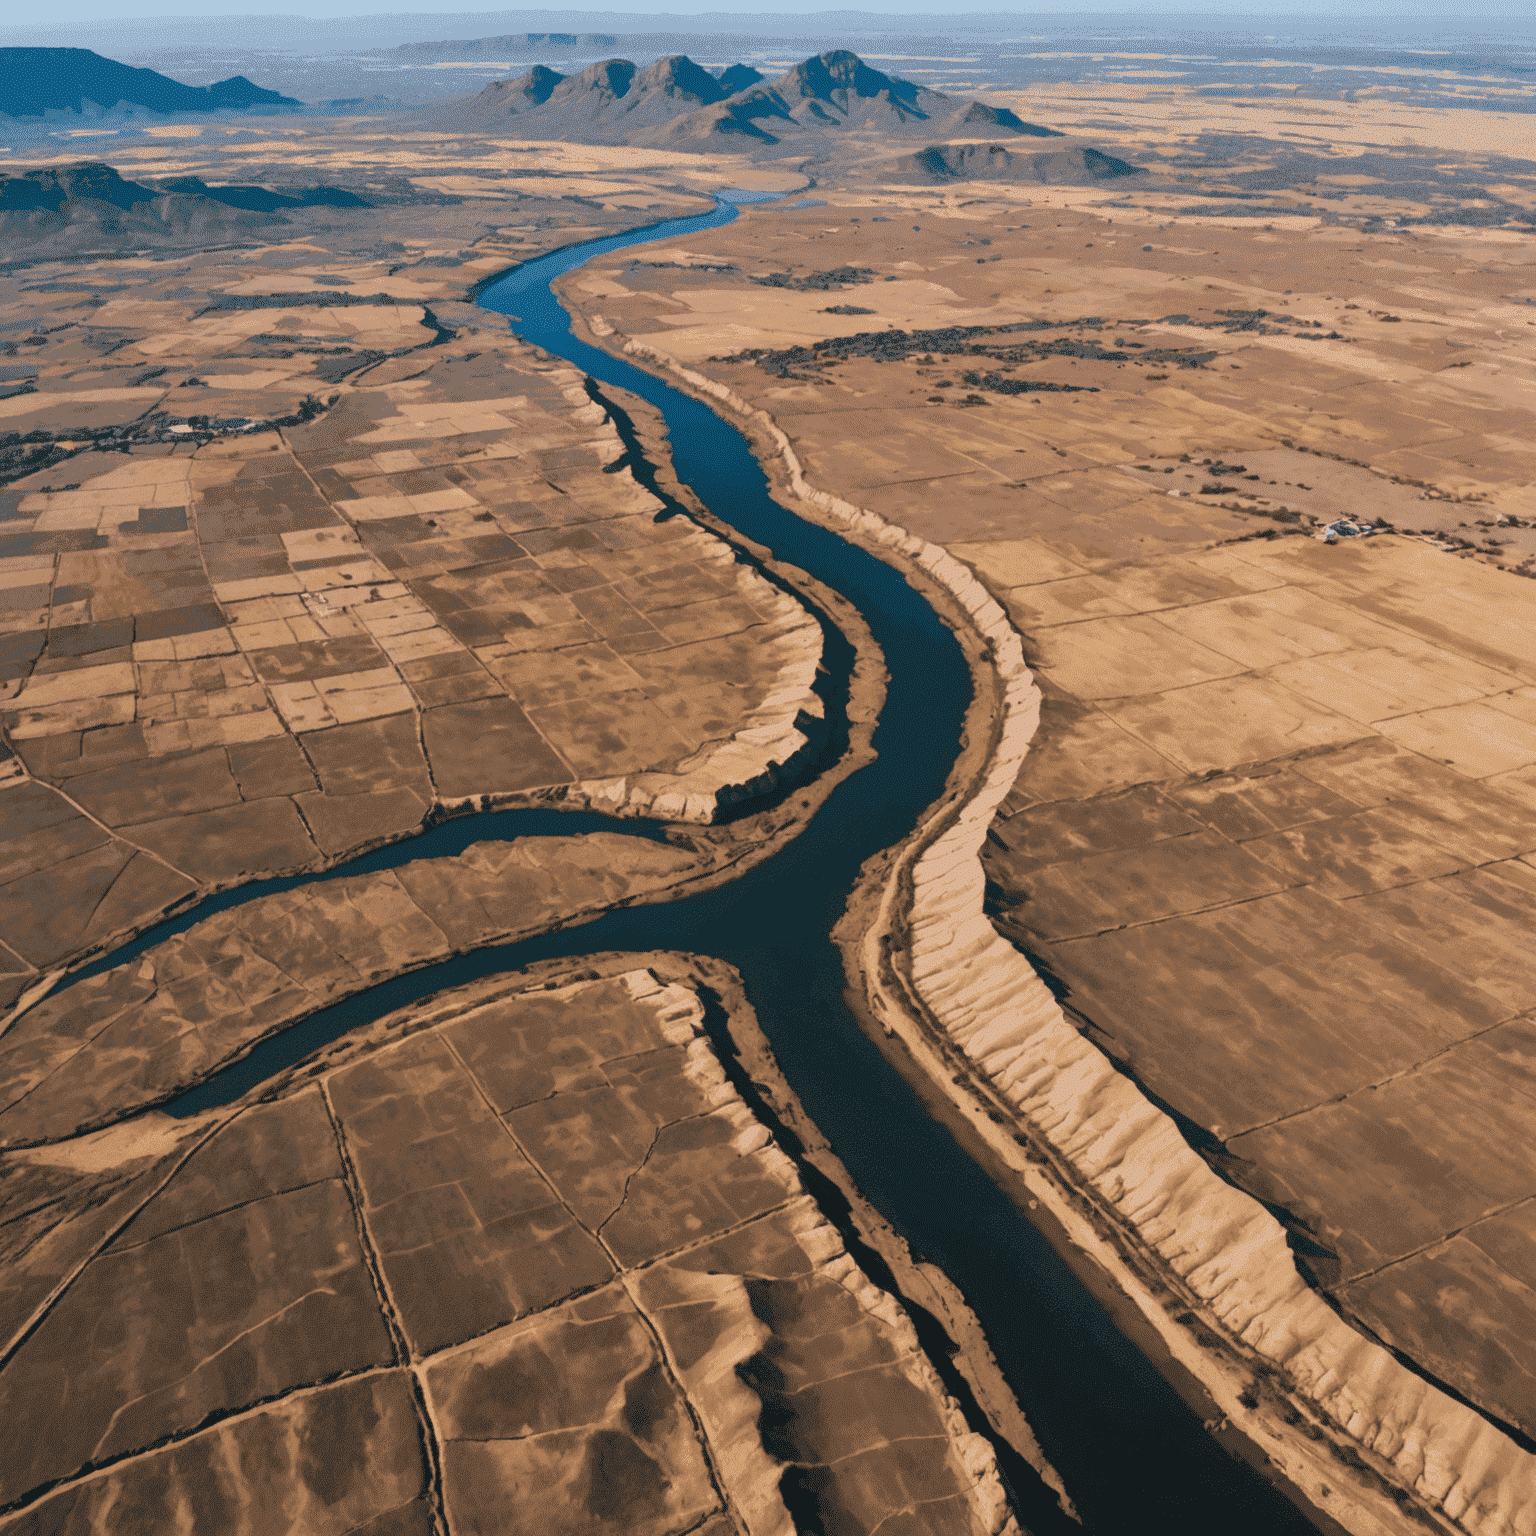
1132 1455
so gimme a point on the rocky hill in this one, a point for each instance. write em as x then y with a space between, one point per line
995 162
36 81
90 207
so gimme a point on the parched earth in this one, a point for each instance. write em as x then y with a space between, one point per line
233 650
521 1259
1274 844
300 553
297 553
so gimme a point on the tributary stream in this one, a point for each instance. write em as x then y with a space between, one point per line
1134 1457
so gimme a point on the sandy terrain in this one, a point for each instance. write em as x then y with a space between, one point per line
1270 843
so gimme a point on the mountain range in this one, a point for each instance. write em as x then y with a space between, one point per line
36 81
676 102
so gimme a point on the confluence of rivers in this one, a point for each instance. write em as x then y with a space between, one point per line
1133 1455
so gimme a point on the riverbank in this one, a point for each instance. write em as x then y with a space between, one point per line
1332 1414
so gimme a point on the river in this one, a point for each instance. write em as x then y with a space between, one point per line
1133 1456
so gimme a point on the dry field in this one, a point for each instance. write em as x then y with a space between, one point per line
299 550
1273 842
297 568
520 1260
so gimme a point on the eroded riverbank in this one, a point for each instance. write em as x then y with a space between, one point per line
921 652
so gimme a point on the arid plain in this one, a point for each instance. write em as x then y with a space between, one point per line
1270 845
303 550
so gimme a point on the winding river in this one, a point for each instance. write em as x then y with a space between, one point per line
1132 1455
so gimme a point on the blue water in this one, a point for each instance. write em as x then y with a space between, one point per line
1132 1454
445 840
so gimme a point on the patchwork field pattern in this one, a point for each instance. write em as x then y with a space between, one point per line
273 648
527 1263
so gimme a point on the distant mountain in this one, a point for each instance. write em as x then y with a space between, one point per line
90 207
995 162
511 45
839 90
676 102
263 199
35 81
50 189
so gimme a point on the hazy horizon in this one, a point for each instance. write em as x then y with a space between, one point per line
407 56
637 16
